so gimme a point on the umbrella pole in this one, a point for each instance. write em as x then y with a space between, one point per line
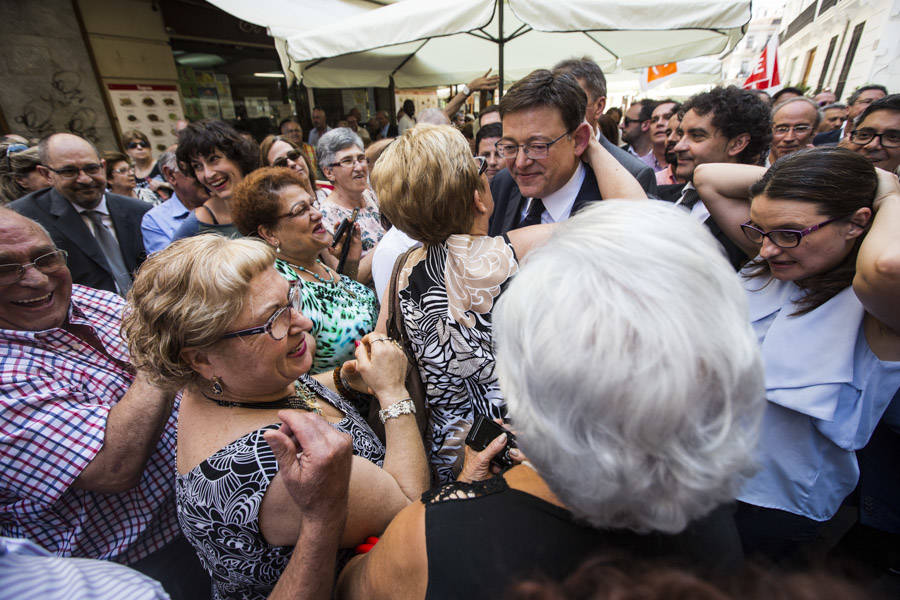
500 8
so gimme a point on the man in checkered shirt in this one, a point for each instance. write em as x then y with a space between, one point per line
87 446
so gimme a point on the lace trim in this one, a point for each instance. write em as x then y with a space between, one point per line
458 490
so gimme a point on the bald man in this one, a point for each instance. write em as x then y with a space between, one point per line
100 231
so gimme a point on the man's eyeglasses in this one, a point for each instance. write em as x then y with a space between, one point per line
798 129
482 164
46 263
783 238
888 139
72 172
626 121
282 161
280 322
351 161
133 145
533 150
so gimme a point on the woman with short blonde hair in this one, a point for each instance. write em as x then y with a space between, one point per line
212 314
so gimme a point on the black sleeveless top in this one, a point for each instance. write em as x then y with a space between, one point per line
484 536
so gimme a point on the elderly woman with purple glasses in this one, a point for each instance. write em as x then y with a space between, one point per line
823 287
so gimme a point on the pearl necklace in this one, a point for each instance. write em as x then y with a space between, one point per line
322 280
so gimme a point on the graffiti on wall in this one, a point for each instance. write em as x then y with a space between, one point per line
62 108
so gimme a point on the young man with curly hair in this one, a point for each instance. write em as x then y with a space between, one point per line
723 125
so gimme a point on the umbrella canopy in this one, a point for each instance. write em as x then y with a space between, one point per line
422 43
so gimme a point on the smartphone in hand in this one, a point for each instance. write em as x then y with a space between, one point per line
483 432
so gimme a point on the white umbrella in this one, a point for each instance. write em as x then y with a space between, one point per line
422 43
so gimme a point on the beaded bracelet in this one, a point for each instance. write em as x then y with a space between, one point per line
345 390
403 407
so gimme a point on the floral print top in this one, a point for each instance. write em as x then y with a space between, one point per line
369 219
218 504
342 312
446 293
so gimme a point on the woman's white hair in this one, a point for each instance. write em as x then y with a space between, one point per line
631 372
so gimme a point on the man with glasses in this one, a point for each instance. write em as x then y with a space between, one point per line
100 231
794 122
88 441
877 135
590 77
635 128
859 100
544 139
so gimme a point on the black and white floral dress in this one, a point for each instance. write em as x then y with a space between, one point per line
446 293
218 504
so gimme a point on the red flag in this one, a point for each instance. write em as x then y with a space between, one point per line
765 74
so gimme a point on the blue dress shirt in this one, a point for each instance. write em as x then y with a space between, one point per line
826 392
160 224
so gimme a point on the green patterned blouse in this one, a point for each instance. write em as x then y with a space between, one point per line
341 312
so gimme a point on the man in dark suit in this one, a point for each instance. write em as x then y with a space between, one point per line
723 125
590 77
858 101
100 231
544 138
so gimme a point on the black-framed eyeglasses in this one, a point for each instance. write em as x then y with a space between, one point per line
72 172
138 144
888 139
627 121
300 209
533 150
280 322
482 164
350 161
783 238
45 263
282 161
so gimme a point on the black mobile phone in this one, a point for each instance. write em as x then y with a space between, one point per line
343 227
483 432
349 233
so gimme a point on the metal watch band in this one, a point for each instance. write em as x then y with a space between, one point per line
403 407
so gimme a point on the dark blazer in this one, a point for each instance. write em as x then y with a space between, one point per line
86 261
829 138
638 169
736 256
509 203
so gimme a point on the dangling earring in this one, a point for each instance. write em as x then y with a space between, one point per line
277 249
215 386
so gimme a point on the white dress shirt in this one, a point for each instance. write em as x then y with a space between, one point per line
558 205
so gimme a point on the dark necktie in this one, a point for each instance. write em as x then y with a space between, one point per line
689 198
535 210
111 251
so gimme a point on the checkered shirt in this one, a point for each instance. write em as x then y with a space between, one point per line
55 394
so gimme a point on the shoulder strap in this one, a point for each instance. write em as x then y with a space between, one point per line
215 221
396 329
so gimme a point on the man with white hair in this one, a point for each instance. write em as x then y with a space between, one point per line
641 458
794 123
159 224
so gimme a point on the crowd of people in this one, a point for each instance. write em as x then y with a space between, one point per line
256 370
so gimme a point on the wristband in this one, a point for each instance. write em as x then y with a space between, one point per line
465 90
403 407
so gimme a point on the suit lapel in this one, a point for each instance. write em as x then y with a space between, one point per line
589 191
70 226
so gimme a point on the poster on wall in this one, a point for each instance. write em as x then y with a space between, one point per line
151 109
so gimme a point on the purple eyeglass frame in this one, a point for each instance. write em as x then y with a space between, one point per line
800 232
